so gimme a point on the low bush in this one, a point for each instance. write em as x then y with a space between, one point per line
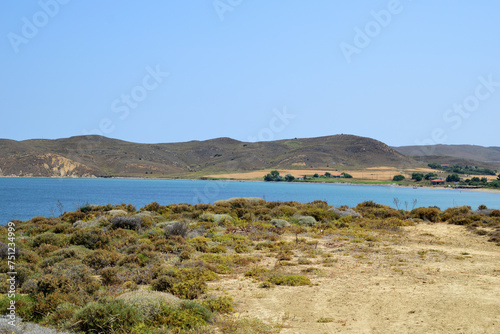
176 229
305 220
279 223
290 280
4 251
189 289
257 273
232 325
217 249
427 214
241 248
149 302
455 212
221 305
49 238
92 238
61 315
129 223
200 243
495 213
23 306
101 258
188 316
108 275
106 316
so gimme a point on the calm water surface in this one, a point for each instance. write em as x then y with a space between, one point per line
24 198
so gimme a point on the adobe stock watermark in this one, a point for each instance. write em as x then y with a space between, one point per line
277 123
122 106
31 26
364 36
12 254
455 116
221 7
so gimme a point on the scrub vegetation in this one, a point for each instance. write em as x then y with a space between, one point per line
161 269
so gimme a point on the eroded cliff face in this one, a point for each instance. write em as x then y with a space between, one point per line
61 166
44 165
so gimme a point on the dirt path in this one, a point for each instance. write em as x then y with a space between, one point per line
433 278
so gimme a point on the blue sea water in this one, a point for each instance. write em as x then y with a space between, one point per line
24 198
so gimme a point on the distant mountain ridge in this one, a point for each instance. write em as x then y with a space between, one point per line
87 156
471 153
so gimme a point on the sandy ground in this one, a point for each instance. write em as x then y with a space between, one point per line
431 278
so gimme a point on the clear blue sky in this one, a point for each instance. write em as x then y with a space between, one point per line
390 70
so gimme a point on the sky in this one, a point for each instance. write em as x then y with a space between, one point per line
408 72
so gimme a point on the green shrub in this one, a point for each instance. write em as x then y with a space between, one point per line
495 213
290 280
108 275
280 223
186 283
197 309
306 221
106 316
222 305
241 248
257 272
454 212
129 223
200 243
153 207
189 289
24 306
428 214
232 325
150 302
61 315
49 238
29 256
217 249
101 258
176 229
92 238
71 275
188 316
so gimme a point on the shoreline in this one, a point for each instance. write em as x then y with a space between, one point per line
484 190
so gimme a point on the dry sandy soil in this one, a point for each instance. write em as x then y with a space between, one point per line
372 173
428 278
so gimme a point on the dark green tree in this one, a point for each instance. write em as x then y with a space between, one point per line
429 176
417 176
268 177
454 178
398 177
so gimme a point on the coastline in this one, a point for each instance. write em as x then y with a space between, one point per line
388 184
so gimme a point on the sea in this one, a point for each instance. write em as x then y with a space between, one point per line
25 198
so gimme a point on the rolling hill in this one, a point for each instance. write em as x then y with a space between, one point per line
488 157
87 156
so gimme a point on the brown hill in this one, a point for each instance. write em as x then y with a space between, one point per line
105 157
474 153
